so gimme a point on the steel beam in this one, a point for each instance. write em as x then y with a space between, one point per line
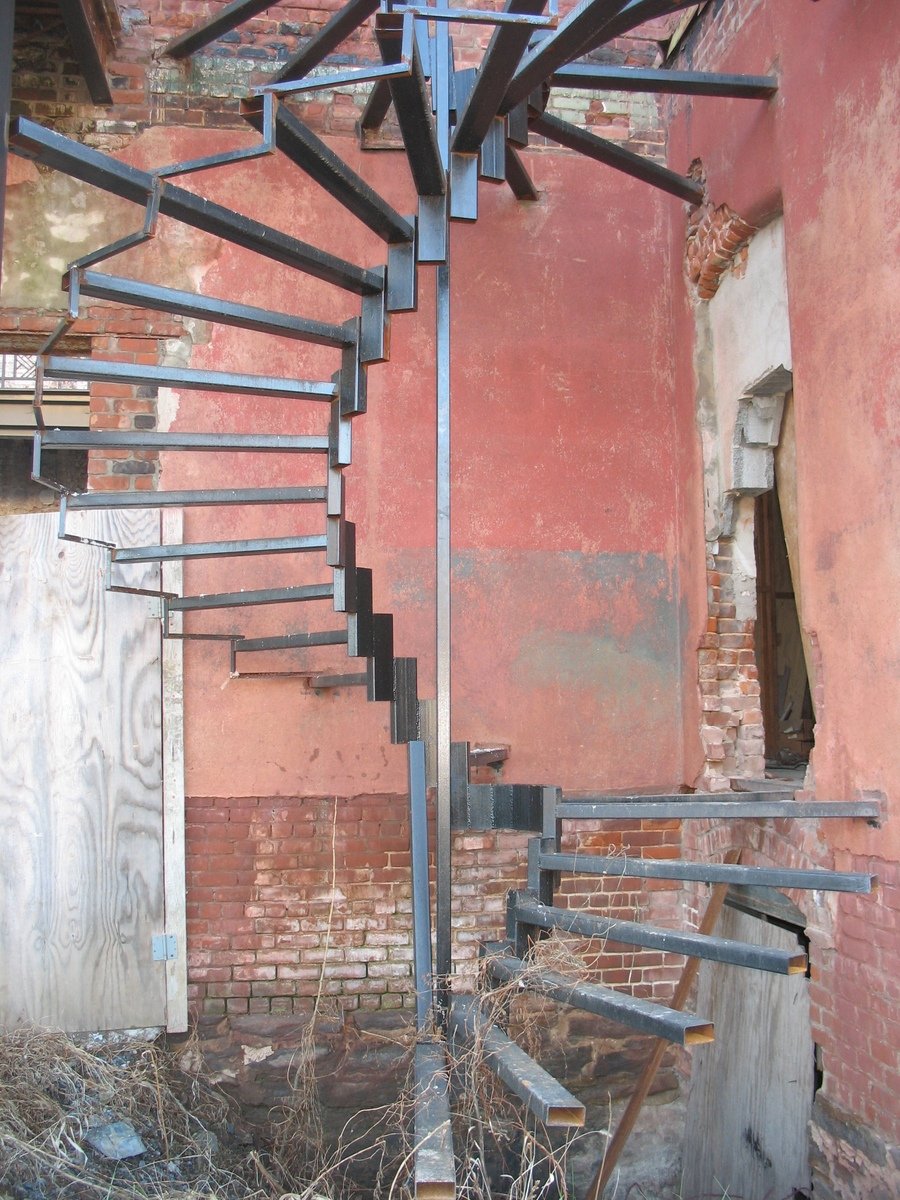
678 83
517 177
405 705
90 166
98 370
361 643
443 624
539 1092
684 1029
346 577
7 12
549 55
215 496
227 18
629 16
234 549
502 806
376 108
525 909
421 914
321 683
286 595
507 45
714 808
413 108
705 872
81 27
298 143
329 37
402 277
604 151
380 666
277 443
434 1170
292 641
210 308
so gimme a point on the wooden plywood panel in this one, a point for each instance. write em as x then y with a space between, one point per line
751 1090
81 849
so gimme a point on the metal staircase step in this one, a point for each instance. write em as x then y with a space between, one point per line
322 682
292 641
285 545
536 1088
713 807
705 872
435 1166
526 910
685 1029
286 595
97 370
215 496
276 443
298 143
210 308
62 153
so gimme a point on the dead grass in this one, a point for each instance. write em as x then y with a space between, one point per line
53 1090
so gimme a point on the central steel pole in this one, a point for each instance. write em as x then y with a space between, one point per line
443 945
443 948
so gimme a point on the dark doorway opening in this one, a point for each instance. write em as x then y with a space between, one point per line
784 682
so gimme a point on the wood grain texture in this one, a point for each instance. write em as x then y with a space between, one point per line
173 787
81 848
751 1091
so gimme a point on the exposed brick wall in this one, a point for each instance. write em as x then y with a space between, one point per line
716 239
122 335
732 720
285 904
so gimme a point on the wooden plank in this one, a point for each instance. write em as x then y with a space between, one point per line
682 991
174 872
751 1094
80 782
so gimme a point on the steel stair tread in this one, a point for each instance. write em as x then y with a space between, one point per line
686 1029
232 549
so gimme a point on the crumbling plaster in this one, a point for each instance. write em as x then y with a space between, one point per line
743 365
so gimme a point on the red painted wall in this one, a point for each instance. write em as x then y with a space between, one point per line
824 152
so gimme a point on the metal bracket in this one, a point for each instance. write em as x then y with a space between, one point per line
165 947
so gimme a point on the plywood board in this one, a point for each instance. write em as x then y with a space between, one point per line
751 1090
81 847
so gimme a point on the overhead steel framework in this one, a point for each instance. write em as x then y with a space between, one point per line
457 126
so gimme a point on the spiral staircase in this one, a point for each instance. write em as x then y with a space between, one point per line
457 126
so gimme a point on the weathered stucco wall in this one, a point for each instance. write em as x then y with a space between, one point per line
823 153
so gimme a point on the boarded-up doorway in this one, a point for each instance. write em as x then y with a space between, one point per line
82 806
751 1091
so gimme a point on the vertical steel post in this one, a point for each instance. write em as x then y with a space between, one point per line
7 10
421 914
443 949
443 624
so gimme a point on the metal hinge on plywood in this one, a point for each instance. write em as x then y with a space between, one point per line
165 947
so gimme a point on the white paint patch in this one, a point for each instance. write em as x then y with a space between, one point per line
73 227
167 403
256 1054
